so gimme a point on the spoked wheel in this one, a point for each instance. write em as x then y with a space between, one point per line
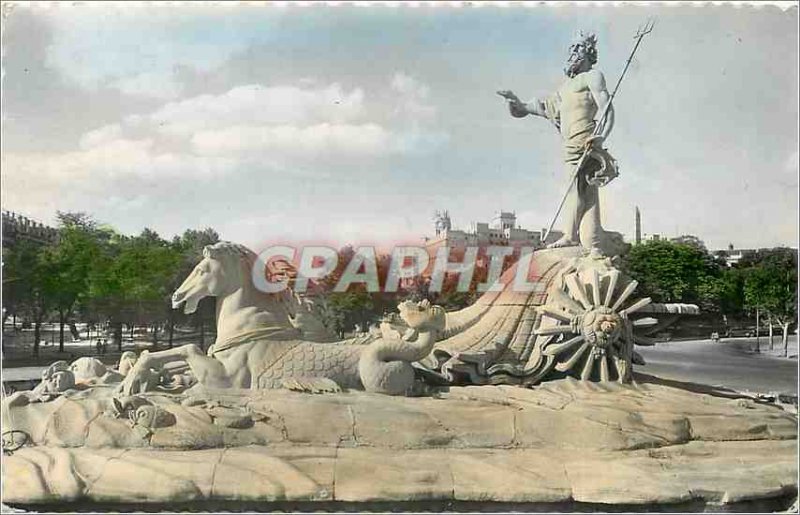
595 335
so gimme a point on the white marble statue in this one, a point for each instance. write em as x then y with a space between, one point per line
574 110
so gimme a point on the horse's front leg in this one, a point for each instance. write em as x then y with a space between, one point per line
143 376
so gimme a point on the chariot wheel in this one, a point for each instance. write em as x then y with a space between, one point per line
587 318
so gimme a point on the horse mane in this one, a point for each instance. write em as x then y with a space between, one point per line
228 249
277 270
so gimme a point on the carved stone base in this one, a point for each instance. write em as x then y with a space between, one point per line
561 443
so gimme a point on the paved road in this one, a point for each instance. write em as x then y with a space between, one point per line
729 364
22 373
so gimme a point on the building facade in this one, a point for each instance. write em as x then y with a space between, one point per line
732 255
501 231
17 227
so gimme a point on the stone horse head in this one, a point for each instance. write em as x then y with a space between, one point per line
225 272
225 269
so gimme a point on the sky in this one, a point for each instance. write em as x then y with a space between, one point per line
353 124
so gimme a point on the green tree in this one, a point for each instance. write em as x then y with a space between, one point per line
346 309
133 280
70 261
770 285
676 272
727 290
107 285
690 240
149 266
155 281
26 274
15 289
190 246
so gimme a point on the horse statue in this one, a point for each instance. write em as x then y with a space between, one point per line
259 343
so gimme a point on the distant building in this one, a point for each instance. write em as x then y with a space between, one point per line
691 241
732 255
501 231
638 220
17 227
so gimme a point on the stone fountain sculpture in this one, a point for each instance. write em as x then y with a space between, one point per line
525 398
583 325
257 345
520 398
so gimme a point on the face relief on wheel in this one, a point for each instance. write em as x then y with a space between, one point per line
601 326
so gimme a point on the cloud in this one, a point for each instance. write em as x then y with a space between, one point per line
298 123
258 105
251 131
104 165
213 134
101 136
137 49
158 84
412 102
231 106
793 162
297 142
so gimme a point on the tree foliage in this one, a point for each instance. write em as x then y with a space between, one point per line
26 274
676 272
770 283
770 286
683 271
691 241
92 272
69 262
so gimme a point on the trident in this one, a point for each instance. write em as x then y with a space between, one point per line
641 32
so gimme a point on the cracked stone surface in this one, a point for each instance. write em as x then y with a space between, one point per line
560 442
